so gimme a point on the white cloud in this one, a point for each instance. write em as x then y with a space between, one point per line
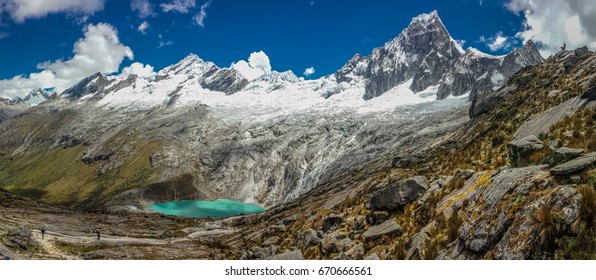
139 69
143 27
164 43
20 10
309 71
200 17
498 42
550 23
143 7
100 50
258 65
3 35
179 6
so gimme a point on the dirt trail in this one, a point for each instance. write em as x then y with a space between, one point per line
49 246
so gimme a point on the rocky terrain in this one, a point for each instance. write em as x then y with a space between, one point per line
9 109
510 175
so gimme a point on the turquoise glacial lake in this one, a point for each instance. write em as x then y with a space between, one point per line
220 208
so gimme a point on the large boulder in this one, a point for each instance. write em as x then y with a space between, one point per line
561 155
390 228
335 242
20 238
521 150
307 238
288 255
259 253
397 195
575 165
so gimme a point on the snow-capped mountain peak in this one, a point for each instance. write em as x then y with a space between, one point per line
423 52
477 72
423 58
276 77
191 65
426 18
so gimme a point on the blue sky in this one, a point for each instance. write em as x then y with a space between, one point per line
295 34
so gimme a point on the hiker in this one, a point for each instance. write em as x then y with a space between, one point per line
97 231
43 232
564 46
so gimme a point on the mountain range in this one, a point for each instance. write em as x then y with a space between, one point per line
380 159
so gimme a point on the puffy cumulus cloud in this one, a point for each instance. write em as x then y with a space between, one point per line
139 69
499 42
309 71
20 10
200 17
143 27
100 50
550 23
20 86
258 65
143 7
179 6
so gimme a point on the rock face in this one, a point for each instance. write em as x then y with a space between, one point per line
390 228
475 72
575 165
94 84
10 108
223 80
423 52
521 150
562 155
20 238
397 195
353 70
490 222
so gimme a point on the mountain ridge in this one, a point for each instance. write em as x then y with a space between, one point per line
423 52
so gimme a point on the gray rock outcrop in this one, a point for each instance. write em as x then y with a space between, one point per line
521 150
390 228
20 238
575 165
562 155
288 255
397 195
223 80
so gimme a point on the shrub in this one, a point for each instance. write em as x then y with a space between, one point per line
542 222
587 208
453 224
